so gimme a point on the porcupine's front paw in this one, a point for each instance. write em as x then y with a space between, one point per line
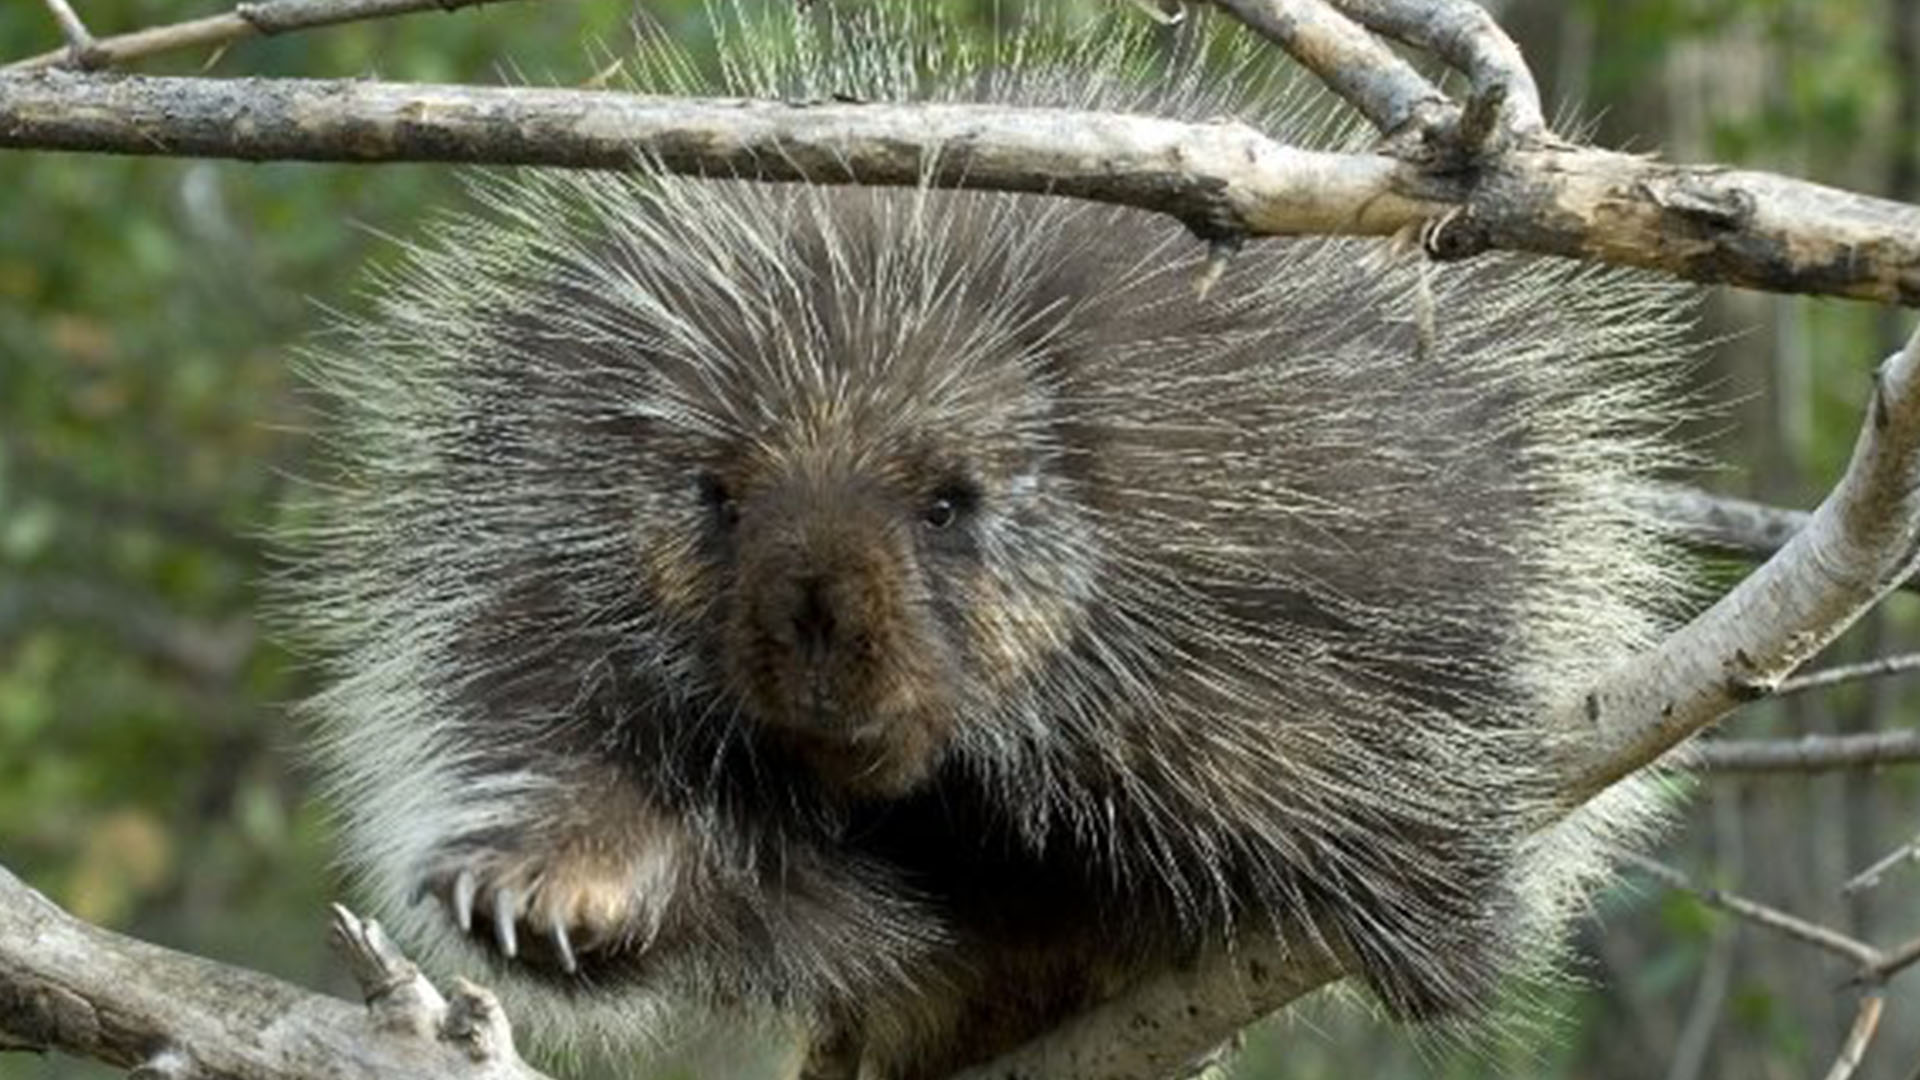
556 906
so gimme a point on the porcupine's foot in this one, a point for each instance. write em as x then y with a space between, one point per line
559 902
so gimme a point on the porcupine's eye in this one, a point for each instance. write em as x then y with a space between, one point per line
718 501
949 503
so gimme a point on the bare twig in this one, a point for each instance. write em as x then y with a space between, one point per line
244 21
1868 878
80 45
1861 954
1845 673
1856 547
1809 753
1865 1022
68 986
1892 962
1223 179
1402 104
1875 966
1720 522
1466 37
1725 524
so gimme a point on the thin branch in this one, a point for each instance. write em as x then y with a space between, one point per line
65 985
1856 547
1865 1022
1875 966
1724 523
244 21
1466 37
1868 878
1222 179
1845 673
1861 954
80 44
1894 961
1809 753
1720 522
1385 89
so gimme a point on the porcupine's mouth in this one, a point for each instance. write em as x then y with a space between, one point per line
857 751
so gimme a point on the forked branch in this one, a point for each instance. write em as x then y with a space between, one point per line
1859 545
65 985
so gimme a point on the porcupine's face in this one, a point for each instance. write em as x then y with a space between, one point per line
869 556
844 582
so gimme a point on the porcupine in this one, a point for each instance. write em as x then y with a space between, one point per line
919 612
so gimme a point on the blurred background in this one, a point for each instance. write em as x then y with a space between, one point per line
149 421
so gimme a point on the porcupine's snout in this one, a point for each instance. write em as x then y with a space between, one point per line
834 637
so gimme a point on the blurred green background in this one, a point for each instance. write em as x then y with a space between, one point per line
149 779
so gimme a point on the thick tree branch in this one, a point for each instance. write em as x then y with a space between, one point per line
1855 548
1811 753
1158 1028
65 985
244 21
1222 179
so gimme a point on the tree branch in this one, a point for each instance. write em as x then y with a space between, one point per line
1810 753
80 44
1861 954
1222 179
1160 1026
1856 547
1385 89
244 21
1720 522
65 985
1868 878
1875 966
1467 38
1845 673
1866 1021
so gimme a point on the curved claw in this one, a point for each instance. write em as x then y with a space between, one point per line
464 888
564 946
506 909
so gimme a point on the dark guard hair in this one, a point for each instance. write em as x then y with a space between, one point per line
917 613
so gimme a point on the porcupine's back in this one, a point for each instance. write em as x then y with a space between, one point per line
1260 618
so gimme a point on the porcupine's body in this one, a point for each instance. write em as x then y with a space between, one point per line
919 613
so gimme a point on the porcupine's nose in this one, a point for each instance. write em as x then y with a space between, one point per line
813 621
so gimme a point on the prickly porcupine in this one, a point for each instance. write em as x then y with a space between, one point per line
919 612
